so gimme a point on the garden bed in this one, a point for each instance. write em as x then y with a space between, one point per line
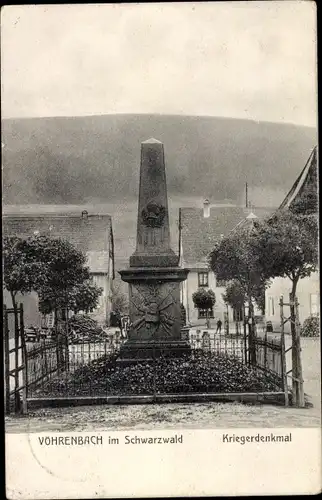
203 372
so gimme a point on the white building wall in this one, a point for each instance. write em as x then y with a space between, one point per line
190 286
308 294
30 302
102 312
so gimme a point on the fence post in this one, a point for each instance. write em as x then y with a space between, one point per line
251 335
283 355
245 335
57 352
16 353
23 361
300 386
6 359
265 351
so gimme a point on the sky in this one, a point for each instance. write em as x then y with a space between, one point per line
253 60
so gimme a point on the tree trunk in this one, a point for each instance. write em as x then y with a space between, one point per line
251 333
14 304
246 356
207 319
295 344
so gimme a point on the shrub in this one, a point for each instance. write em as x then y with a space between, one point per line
204 299
311 327
202 372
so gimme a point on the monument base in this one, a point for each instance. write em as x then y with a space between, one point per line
134 351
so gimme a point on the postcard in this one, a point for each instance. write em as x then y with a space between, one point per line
161 294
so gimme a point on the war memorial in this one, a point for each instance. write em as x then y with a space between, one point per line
153 275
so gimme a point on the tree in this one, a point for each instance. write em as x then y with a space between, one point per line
289 249
120 303
21 272
234 295
84 297
238 258
289 246
53 268
204 299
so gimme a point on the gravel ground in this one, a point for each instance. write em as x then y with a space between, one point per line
183 416
166 416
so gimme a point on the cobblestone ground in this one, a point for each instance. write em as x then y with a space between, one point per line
183 416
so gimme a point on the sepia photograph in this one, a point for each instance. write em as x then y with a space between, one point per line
160 222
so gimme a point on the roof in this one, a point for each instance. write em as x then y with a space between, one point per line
303 182
248 221
199 234
90 233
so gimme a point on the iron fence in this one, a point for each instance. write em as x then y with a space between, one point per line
219 343
71 367
44 360
269 355
59 368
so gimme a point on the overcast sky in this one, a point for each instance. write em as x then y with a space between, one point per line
251 60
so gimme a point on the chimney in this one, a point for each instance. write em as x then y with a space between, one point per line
206 209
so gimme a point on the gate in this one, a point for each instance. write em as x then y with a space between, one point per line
15 383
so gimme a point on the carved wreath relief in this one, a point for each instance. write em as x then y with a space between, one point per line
155 313
153 215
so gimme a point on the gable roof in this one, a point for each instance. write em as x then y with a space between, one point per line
91 233
199 234
306 177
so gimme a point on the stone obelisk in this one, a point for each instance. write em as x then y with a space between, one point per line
154 275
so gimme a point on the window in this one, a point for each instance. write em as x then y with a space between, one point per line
202 313
221 283
271 308
203 279
314 304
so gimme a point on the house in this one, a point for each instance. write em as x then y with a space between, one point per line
302 198
199 230
91 233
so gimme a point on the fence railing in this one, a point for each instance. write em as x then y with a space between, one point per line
45 359
59 367
269 355
52 362
219 343
63 366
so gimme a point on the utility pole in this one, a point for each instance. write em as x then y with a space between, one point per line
246 195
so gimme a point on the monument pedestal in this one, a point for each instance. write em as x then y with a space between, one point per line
136 352
155 314
153 276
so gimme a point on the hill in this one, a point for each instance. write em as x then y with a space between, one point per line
95 159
